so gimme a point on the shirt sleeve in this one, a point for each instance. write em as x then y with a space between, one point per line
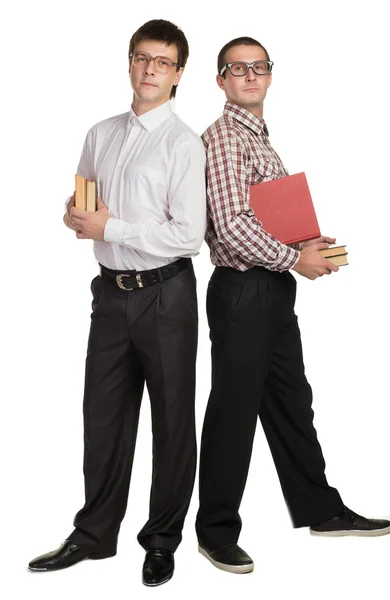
85 166
182 234
234 220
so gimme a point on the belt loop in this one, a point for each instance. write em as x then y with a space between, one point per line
159 275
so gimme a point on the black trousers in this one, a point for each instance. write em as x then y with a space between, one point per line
257 370
145 335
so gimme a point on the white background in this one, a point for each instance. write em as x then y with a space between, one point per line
64 67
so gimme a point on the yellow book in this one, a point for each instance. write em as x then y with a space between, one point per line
335 254
333 251
91 196
81 193
86 194
339 260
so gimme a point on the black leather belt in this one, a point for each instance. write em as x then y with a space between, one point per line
132 280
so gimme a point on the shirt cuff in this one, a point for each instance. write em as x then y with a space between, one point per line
66 203
288 258
296 246
114 230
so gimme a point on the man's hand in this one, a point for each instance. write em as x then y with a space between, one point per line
312 264
90 225
320 240
67 215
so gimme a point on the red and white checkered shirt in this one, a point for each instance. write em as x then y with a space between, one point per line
239 155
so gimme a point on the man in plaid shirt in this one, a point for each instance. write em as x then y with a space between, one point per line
257 364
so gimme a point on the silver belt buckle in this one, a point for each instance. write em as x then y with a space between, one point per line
122 287
120 282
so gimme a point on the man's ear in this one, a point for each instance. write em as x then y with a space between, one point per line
269 80
179 75
129 66
220 82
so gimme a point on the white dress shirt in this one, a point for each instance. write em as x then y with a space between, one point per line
150 173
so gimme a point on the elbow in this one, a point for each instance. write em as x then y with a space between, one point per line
226 233
199 235
191 237
195 240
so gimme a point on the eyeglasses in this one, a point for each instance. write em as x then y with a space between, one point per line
163 64
259 67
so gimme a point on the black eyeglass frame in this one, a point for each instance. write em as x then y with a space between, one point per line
131 56
248 66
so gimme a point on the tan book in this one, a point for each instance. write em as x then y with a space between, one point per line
86 194
334 251
91 196
339 260
81 193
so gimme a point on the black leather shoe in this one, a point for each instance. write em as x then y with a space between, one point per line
229 558
349 523
158 567
66 555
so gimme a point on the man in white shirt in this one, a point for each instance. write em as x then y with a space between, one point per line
151 219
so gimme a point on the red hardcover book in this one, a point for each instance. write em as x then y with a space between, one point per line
285 208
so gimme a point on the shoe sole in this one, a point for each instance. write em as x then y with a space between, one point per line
353 532
228 568
159 583
91 556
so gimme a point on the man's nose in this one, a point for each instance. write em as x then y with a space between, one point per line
150 68
251 75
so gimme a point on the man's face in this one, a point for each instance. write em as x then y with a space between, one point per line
150 87
248 90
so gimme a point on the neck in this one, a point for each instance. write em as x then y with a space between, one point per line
255 110
258 113
140 107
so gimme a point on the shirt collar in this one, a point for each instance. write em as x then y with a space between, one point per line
152 118
233 111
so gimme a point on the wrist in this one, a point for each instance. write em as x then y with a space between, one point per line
297 265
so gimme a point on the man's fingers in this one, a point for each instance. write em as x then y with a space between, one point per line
331 267
318 246
326 270
80 214
67 222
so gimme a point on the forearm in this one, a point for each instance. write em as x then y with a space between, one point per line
169 239
245 236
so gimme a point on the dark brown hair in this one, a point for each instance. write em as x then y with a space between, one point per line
160 30
241 41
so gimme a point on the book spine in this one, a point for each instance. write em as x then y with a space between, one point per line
91 196
81 192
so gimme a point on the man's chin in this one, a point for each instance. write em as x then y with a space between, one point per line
148 96
250 104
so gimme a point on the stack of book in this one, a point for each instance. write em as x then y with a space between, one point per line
336 254
86 194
